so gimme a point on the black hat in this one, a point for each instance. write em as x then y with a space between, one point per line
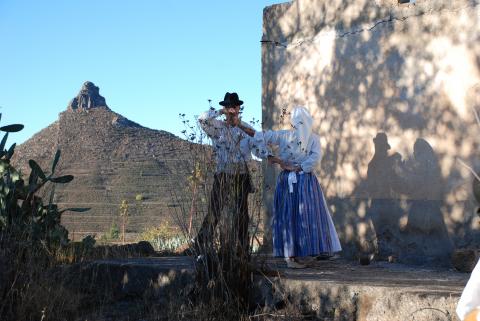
231 100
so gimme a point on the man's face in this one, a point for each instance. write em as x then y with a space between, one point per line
232 111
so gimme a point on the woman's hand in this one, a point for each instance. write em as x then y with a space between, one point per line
247 130
285 166
274 160
290 168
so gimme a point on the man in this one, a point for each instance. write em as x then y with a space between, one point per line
231 184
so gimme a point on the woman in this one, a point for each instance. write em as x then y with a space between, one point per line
302 225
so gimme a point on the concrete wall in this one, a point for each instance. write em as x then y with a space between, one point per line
364 68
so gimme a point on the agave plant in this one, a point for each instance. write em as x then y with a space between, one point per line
30 230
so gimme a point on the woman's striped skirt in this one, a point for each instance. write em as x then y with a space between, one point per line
302 225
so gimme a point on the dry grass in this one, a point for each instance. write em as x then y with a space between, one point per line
28 288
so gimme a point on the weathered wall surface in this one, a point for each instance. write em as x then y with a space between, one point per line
364 68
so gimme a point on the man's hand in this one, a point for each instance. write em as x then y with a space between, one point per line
228 111
235 120
231 116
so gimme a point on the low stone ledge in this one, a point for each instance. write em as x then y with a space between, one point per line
120 279
345 291
328 290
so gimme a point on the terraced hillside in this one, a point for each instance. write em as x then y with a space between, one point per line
112 159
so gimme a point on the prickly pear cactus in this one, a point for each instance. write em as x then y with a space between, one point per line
22 212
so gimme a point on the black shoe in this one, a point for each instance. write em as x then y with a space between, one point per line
324 256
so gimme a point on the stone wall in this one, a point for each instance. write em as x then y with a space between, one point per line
406 75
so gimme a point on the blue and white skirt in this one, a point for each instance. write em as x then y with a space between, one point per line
302 225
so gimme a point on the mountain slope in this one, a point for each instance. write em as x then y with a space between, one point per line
112 159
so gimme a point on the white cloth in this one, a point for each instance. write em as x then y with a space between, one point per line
470 299
302 123
233 147
292 179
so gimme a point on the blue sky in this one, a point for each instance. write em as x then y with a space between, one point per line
151 59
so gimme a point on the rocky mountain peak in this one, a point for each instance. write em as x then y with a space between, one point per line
88 97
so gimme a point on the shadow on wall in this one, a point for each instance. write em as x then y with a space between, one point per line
393 77
405 198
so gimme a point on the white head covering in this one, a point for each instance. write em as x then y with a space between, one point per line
302 123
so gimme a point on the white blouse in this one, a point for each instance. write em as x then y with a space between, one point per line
233 147
284 140
470 299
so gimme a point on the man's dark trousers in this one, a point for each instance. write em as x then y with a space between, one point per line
229 193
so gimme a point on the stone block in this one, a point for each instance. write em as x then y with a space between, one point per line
464 260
